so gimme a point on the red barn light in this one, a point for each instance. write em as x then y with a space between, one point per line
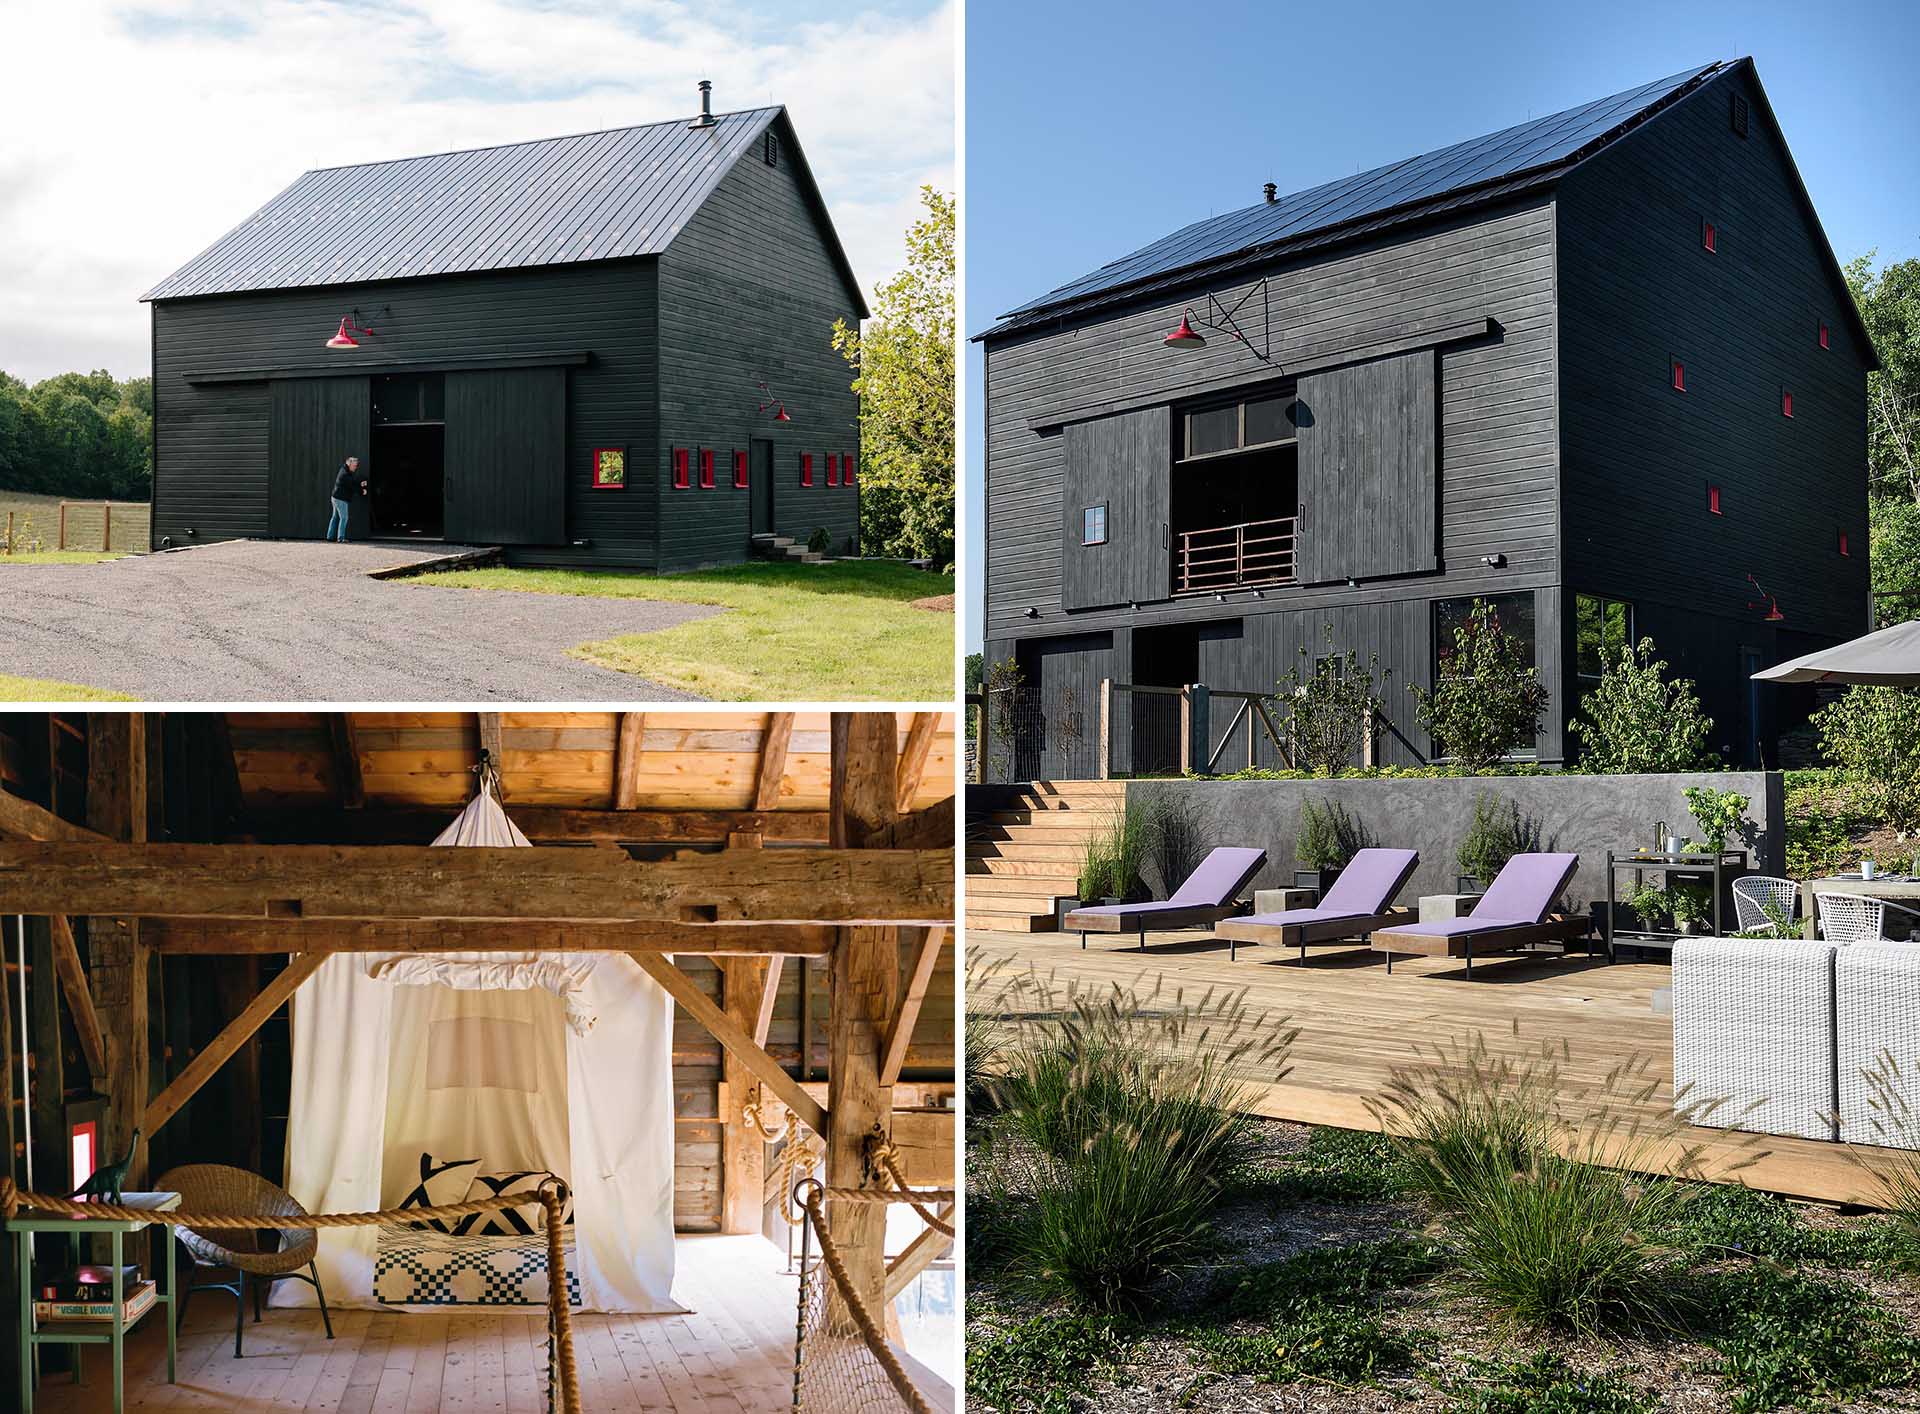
1184 337
343 339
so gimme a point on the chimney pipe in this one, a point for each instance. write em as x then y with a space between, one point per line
1272 191
705 120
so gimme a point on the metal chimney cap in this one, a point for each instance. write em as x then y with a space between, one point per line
1272 191
706 118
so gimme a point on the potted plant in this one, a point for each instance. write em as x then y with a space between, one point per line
1718 813
1652 908
1326 839
1691 905
1497 832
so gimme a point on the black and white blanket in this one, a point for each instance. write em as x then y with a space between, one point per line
421 1267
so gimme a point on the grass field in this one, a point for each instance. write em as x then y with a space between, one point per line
843 631
14 689
37 519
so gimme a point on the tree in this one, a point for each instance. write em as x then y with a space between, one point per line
1637 721
1487 699
1328 705
1874 733
1889 305
903 362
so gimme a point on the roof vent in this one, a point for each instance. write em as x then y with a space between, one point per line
1272 191
1739 115
705 120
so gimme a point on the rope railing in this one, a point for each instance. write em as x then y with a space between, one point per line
563 1373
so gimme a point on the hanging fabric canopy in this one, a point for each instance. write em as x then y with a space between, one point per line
1888 658
523 1060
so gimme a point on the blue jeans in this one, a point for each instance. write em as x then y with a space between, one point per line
341 510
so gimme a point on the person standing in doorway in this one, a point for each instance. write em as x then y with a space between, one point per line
345 482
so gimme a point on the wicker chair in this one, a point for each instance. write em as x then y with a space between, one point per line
1855 918
1753 894
265 1256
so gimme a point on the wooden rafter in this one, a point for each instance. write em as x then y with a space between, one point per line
491 742
773 760
626 761
735 1038
926 1249
900 1033
348 782
232 1037
257 937
73 983
20 818
913 759
552 823
843 886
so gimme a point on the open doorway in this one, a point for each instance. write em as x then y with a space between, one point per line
407 475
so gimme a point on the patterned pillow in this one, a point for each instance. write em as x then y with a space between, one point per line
523 1220
444 1181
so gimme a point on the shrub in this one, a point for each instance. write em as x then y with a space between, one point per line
1635 720
1328 705
1874 732
1117 854
1544 1383
1037 1362
1718 813
1487 697
1788 1338
1177 840
1327 836
1497 832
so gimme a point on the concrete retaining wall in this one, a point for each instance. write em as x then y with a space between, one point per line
1586 814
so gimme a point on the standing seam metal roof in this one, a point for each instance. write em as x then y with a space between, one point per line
594 196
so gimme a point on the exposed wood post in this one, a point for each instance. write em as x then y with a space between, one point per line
743 1153
73 982
491 738
117 807
913 759
1106 728
865 983
346 761
106 525
773 760
63 525
626 760
10 1314
235 1035
52 1159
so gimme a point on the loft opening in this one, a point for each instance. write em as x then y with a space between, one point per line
1235 493
408 445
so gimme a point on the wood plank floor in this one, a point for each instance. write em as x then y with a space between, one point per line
732 1352
1357 1024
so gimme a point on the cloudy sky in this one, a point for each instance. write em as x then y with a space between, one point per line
136 134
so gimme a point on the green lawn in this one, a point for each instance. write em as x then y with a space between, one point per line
36 521
14 689
845 631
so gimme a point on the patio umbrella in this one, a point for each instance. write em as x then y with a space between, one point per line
1888 658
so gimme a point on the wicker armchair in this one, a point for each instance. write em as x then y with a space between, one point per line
266 1256
1753 894
1855 918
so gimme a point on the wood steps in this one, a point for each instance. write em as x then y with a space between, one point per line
784 547
1026 850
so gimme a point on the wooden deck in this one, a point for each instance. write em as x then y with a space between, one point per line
1357 1024
732 1352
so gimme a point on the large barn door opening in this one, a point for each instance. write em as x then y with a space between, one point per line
315 425
407 493
506 456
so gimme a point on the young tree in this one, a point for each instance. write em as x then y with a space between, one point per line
903 362
1874 733
1327 705
1487 698
1637 721
1889 303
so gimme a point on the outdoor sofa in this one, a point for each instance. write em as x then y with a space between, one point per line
1360 901
1209 894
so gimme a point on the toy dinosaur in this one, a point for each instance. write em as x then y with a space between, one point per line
107 1181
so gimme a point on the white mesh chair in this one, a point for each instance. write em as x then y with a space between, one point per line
1877 988
1855 918
1753 1033
1755 893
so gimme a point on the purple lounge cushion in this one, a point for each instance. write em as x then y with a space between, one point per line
1221 875
1526 888
1369 882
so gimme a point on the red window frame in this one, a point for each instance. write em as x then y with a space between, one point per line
1786 402
87 1133
846 465
680 477
1823 335
806 468
1708 236
833 468
739 470
706 468
1843 545
1713 500
1679 376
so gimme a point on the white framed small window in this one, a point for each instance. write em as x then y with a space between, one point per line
1093 525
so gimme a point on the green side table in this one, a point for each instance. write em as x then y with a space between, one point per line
77 1333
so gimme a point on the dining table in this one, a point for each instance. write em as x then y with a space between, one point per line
1894 888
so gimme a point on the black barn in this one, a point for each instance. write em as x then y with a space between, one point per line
1601 368
608 349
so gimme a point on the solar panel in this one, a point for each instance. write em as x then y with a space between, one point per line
1525 147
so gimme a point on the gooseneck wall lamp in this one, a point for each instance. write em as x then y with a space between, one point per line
768 400
1768 602
1222 319
350 325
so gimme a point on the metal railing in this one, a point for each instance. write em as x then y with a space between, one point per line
1231 556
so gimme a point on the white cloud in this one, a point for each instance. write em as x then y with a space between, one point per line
138 134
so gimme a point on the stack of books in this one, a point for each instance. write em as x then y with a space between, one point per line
86 1294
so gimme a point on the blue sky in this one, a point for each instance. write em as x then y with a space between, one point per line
1089 138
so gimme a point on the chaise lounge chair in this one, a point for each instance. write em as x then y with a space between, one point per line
1511 914
1204 899
1360 901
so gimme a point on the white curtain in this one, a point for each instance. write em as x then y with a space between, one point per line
593 1032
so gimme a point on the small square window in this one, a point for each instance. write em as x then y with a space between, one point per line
1679 376
846 464
1843 545
739 469
680 468
1786 402
1093 525
833 468
1713 500
806 468
706 468
1824 343
1708 235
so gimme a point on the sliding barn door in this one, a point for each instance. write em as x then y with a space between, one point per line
1369 493
1120 468
315 424
506 456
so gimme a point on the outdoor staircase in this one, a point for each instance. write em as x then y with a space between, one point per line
1024 848
783 547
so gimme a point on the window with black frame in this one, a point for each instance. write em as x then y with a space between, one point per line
1514 615
1602 631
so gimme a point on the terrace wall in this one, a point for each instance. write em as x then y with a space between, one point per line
1586 814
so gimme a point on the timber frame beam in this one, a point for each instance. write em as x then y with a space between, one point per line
540 823
73 982
261 937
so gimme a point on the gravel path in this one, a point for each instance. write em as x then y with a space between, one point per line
301 621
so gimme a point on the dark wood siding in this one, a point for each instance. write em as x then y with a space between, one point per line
749 294
317 423
1122 463
1367 459
506 456
1638 288
212 457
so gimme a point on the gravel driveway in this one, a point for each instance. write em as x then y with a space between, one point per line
300 621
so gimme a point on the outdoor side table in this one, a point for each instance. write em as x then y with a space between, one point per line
1724 868
113 1333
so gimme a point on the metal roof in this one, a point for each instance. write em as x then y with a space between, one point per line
592 196
1449 177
